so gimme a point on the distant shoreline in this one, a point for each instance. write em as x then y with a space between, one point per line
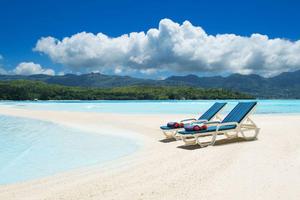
194 107
37 90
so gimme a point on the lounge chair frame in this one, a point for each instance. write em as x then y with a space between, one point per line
246 125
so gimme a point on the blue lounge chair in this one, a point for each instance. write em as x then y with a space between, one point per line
236 121
209 115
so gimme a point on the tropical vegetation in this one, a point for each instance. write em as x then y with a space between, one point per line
30 90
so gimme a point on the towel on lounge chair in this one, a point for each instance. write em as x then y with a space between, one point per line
175 124
195 127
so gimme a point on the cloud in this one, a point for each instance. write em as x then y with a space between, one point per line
25 68
173 47
2 71
29 68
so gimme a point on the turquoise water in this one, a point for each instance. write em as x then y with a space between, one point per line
153 107
32 149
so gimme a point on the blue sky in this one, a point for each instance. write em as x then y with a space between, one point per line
24 23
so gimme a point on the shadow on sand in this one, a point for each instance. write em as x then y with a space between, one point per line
217 143
167 140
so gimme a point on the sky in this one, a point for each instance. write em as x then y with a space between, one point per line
150 39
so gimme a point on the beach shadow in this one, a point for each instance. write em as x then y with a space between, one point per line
217 143
231 141
189 147
167 140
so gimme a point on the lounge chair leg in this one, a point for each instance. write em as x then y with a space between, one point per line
168 134
176 136
214 138
232 135
189 141
202 144
249 126
256 132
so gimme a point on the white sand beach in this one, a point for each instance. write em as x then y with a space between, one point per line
267 168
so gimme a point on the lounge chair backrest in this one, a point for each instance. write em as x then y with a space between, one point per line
239 112
212 111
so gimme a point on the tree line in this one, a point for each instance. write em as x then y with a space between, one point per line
30 90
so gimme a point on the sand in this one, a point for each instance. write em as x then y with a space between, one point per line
267 168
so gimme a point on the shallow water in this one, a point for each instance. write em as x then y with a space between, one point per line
154 107
32 149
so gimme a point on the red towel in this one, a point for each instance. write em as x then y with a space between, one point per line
175 125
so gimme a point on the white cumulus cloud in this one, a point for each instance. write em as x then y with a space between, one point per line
173 47
29 68
2 71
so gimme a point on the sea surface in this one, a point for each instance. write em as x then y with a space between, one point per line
33 149
154 107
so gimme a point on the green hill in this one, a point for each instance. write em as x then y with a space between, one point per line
30 90
282 86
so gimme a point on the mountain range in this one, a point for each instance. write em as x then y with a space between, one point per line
284 86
